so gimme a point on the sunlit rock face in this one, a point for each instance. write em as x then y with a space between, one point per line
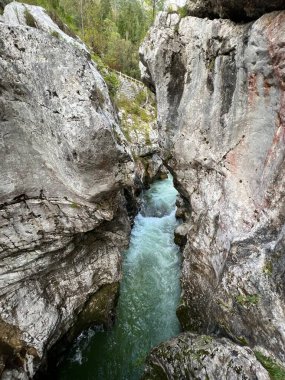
221 102
64 164
239 10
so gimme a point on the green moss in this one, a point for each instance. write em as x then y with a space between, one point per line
30 20
268 268
275 371
74 205
55 34
183 11
242 340
133 107
247 300
202 353
141 97
147 137
207 339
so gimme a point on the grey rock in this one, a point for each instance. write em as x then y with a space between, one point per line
64 165
220 94
233 9
16 14
137 114
190 356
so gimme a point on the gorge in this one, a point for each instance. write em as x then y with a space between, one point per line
71 173
148 297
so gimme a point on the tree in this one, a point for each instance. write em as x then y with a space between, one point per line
156 5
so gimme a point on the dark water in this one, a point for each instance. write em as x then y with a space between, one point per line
148 299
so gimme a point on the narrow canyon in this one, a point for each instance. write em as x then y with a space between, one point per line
90 223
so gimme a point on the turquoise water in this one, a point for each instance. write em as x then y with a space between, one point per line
148 298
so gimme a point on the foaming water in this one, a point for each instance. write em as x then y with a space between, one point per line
148 298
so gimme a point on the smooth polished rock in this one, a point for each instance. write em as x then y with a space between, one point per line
221 101
64 166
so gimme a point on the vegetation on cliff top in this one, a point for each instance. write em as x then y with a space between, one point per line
112 29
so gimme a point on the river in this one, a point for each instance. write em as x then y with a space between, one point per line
149 294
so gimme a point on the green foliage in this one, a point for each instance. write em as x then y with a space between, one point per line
140 118
74 205
133 107
112 82
55 34
242 340
61 16
141 97
30 19
183 11
113 29
268 268
275 371
247 300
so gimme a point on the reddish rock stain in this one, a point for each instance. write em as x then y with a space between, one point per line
252 88
277 54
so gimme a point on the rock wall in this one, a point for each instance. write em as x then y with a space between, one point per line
137 114
64 165
220 96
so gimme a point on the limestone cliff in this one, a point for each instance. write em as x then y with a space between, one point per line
64 165
137 114
220 94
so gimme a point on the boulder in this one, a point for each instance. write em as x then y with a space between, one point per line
202 357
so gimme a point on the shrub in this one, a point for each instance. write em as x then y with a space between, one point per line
141 97
112 82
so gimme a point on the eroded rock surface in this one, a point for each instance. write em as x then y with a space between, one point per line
191 356
64 164
240 10
220 94
137 114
